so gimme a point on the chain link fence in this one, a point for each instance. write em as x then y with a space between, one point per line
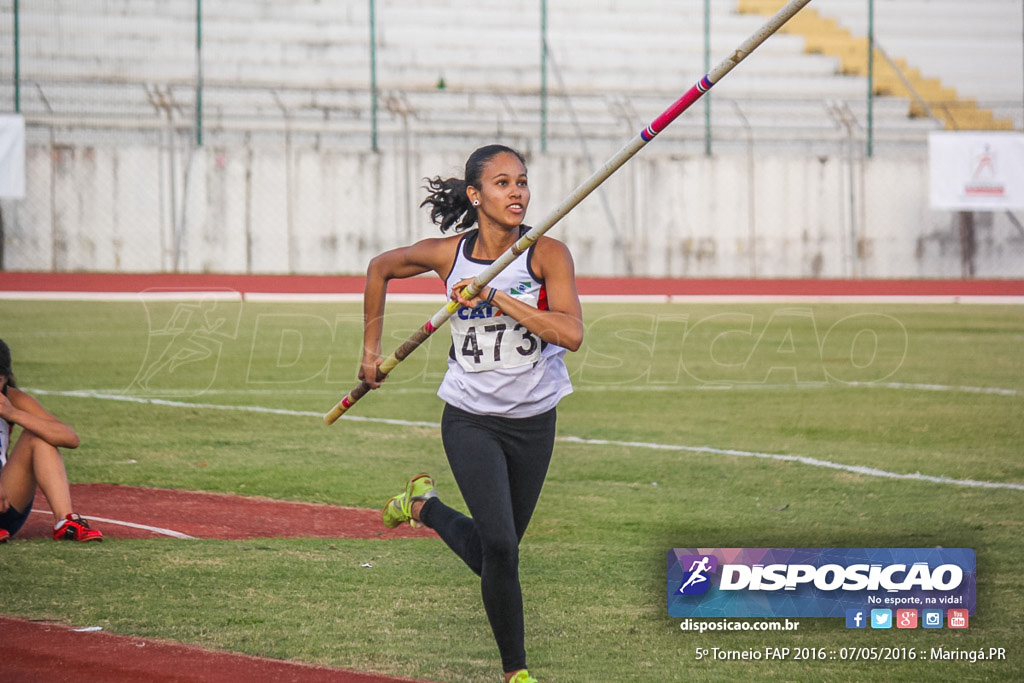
261 137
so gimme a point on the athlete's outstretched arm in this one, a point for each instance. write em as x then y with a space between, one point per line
434 254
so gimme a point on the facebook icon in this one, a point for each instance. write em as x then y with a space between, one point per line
856 618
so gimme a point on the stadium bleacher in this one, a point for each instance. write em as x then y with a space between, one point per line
301 64
896 75
114 92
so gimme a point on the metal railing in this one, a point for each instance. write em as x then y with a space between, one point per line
34 73
169 121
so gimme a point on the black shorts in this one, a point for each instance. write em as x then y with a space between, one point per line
12 520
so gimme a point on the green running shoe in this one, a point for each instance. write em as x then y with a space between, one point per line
399 508
522 676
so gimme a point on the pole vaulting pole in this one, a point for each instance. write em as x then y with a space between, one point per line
569 203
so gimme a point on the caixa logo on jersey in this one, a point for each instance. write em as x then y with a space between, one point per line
816 582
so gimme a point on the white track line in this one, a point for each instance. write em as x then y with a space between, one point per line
215 406
144 527
356 297
939 387
814 462
741 386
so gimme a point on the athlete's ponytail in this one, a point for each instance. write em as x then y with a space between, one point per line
5 364
449 203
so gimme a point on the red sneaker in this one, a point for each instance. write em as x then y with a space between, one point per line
74 528
4 535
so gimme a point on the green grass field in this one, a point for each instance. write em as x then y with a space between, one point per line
663 391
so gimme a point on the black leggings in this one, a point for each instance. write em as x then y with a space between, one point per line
499 464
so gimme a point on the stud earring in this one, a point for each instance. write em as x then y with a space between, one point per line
476 202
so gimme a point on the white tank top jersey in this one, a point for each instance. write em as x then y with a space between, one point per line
5 435
5 440
496 366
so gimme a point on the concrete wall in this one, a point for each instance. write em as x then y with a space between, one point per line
302 210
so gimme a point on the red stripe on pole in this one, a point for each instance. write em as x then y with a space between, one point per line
682 104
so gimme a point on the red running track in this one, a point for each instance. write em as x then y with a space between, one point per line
119 283
44 652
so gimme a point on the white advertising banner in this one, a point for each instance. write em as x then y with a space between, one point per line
976 171
12 156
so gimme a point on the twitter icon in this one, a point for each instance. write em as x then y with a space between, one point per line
881 618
